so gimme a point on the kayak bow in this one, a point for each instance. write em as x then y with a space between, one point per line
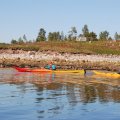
107 74
31 70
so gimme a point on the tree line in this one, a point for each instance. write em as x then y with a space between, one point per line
72 36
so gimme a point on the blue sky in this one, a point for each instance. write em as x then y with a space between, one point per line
19 17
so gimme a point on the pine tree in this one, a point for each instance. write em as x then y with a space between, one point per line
41 35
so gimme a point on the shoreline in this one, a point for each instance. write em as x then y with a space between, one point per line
62 60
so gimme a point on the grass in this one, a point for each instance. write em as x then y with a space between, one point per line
96 47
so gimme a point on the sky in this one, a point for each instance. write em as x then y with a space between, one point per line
19 17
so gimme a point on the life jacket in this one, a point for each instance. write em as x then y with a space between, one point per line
53 67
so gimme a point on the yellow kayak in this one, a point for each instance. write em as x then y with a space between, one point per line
107 74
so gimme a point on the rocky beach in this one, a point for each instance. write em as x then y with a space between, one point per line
9 57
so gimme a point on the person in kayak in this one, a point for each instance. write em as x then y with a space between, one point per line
50 66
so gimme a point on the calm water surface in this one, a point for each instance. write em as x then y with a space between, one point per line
34 96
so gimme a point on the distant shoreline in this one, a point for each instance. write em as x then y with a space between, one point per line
62 60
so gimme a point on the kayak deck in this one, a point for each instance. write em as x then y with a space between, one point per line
107 74
42 70
68 71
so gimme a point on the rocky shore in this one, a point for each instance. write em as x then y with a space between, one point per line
22 58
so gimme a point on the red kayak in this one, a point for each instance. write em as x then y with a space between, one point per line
42 70
32 70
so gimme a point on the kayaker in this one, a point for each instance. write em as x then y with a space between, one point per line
50 66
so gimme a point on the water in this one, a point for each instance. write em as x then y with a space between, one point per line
34 96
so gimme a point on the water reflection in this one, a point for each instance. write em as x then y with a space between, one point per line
54 94
88 89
